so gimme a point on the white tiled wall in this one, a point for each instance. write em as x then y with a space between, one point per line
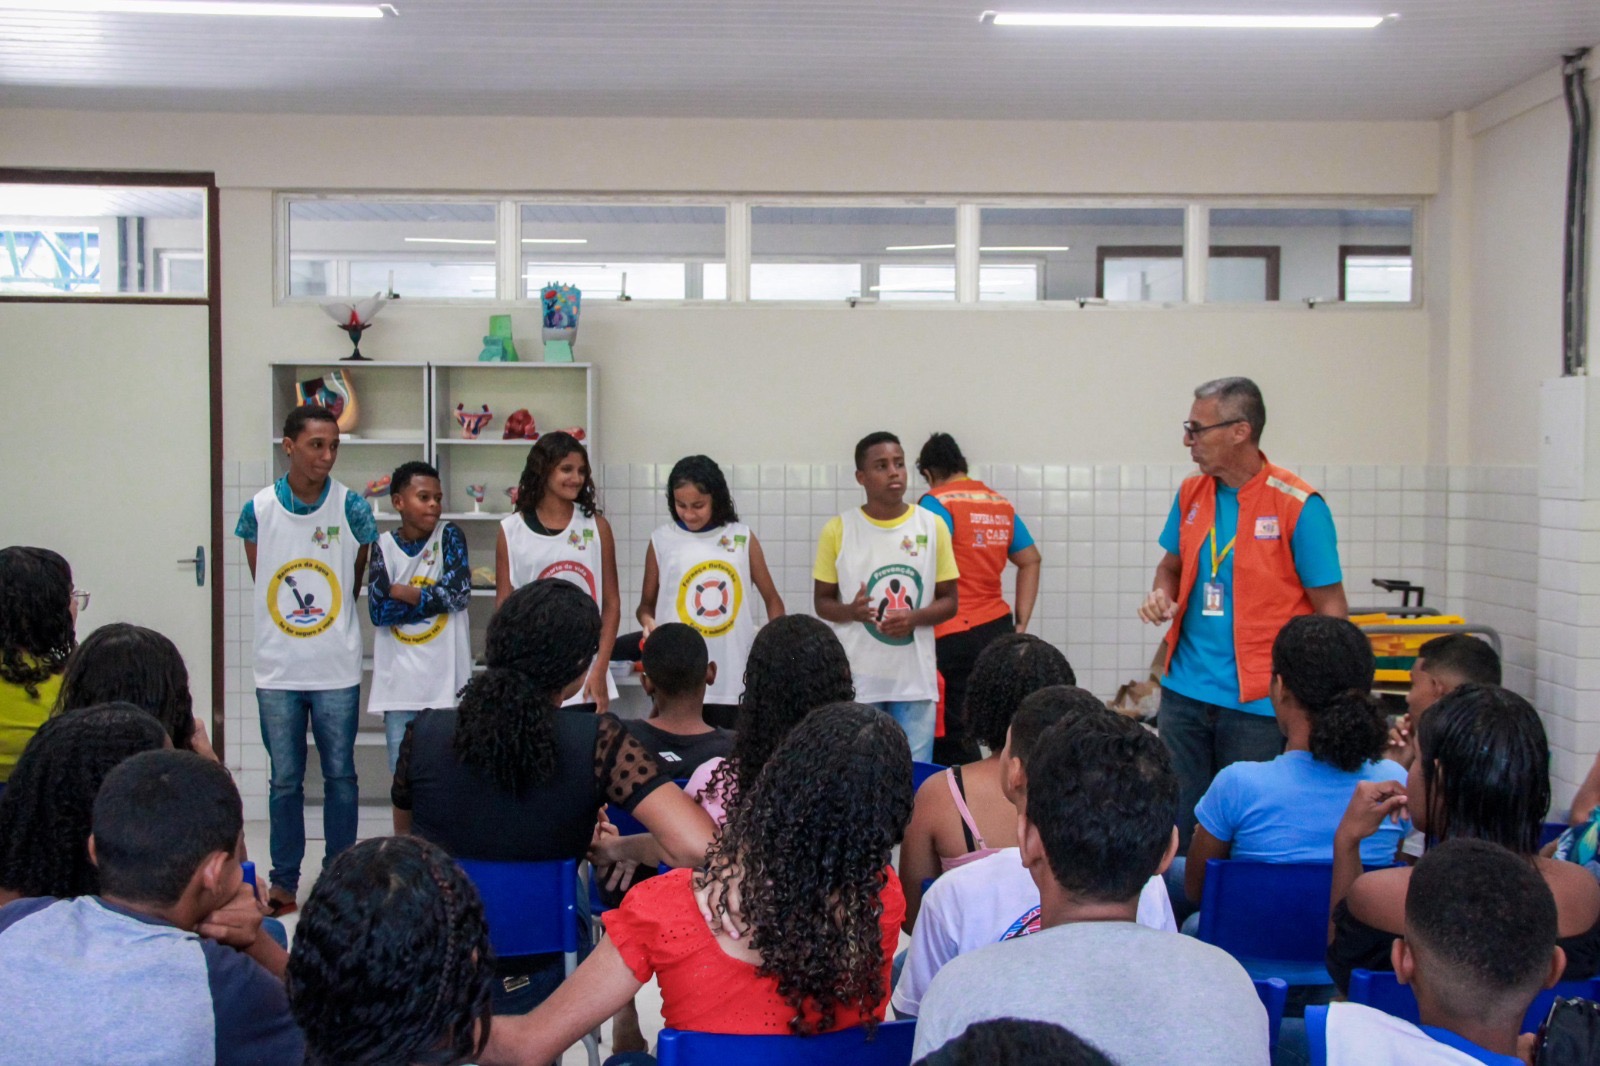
1470 535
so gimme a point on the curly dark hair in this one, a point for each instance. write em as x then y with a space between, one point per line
131 664
810 844
47 808
941 458
1485 767
391 962
704 474
796 664
543 458
1013 1042
544 635
1004 674
1326 664
35 616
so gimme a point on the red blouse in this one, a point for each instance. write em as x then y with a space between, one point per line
658 930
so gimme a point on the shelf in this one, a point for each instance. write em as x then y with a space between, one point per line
473 516
502 443
355 442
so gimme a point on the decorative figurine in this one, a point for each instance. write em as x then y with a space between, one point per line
561 305
472 423
575 432
477 492
354 319
499 339
375 491
511 494
519 426
333 391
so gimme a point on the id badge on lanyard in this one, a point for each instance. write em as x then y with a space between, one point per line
1212 591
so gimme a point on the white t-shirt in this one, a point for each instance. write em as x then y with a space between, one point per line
983 903
1358 1035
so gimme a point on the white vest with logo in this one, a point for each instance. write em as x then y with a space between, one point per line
307 636
573 555
420 665
899 566
705 583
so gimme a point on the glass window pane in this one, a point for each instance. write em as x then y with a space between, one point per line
1377 278
1309 245
1008 281
1066 246
661 247
434 249
831 242
101 240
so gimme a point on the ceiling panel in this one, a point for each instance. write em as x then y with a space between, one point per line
780 58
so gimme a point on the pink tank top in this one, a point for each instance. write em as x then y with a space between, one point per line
975 840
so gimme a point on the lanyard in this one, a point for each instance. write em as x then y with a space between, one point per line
1216 560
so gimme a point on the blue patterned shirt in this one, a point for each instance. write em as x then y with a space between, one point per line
452 593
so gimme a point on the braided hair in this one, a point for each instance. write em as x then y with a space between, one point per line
543 636
128 663
809 843
796 664
543 458
35 616
391 962
1326 664
46 810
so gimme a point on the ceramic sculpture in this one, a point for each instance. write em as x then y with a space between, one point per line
375 491
477 492
561 304
519 426
354 319
334 391
472 423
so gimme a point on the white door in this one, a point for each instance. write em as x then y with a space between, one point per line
105 458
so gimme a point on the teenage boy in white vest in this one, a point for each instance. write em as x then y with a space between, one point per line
895 563
306 539
418 588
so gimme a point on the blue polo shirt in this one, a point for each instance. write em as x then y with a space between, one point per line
1204 666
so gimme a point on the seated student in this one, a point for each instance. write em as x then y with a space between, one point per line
796 665
1482 772
962 814
509 776
676 672
1286 810
1010 1042
38 609
995 899
127 663
819 922
1100 821
1443 665
1474 962
44 813
123 976
391 960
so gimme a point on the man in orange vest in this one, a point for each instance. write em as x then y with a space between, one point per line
1248 547
986 532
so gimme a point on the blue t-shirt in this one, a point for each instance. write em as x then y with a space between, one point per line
357 512
1020 537
1204 666
1286 810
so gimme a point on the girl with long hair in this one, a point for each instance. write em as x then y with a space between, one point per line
132 664
38 609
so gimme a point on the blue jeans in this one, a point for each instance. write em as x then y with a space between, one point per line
394 731
918 718
332 715
1203 738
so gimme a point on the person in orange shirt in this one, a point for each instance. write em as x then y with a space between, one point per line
986 532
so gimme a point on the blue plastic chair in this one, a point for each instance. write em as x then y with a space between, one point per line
890 1046
532 909
1550 831
1271 917
921 771
1383 991
1274 993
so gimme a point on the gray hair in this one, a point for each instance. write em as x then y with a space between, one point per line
1239 398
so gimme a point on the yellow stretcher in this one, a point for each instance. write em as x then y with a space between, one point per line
1398 634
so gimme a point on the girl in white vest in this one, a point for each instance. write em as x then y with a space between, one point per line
419 588
557 531
706 560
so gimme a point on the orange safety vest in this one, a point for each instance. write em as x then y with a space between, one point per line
984 523
1266 589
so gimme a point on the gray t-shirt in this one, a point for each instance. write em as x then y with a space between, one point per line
1139 995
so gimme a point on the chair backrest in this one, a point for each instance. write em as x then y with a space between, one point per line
1550 831
627 825
1274 993
921 771
531 907
889 1046
1270 911
1382 990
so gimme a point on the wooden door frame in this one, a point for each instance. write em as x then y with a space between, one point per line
182 179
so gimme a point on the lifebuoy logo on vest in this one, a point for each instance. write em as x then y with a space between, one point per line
710 597
422 632
891 589
574 572
303 597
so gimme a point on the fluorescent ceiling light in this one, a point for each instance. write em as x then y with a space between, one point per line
258 8
1196 22
555 240
917 247
984 248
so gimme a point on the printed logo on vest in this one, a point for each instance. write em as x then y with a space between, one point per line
1194 512
979 540
1267 528
916 547
893 589
422 632
303 597
574 572
581 543
319 538
709 597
